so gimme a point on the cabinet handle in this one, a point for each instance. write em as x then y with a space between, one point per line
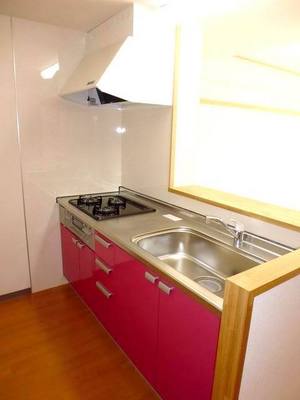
164 288
103 267
74 241
151 278
80 245
103 290
103 242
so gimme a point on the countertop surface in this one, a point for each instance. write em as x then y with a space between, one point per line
123 230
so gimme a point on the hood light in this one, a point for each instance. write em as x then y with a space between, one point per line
49 72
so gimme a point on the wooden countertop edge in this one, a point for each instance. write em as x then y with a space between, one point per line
265 276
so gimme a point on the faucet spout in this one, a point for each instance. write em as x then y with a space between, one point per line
236 229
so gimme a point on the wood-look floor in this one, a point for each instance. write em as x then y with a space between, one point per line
51 347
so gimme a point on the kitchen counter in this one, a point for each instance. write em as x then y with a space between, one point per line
123 230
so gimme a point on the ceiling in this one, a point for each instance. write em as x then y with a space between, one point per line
75 14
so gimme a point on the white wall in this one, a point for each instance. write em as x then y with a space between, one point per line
257 153
145 167
271 369
65 148
14 272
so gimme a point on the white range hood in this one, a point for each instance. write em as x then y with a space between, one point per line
137 68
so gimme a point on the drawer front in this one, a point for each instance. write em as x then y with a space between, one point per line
105 249
104 272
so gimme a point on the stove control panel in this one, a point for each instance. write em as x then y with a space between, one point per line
80 228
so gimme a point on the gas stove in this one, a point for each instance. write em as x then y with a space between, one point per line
108 205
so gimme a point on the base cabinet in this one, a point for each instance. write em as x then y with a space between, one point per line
137 303
78 260
169 336
187 345
70 254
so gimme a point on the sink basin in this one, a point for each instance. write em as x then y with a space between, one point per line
199 257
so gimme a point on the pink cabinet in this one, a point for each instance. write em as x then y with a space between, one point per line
169 336
137 305
104 305
70 254
187 344
105 249
85 285
78 261
127 304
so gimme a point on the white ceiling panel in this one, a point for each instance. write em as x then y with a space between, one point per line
82 15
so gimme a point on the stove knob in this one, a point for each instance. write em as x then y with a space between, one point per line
86 230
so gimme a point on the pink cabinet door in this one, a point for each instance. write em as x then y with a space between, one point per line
78 262
85 285
70 254
187 344
104 249
104 304
136 297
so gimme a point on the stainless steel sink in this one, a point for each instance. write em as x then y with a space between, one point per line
201 258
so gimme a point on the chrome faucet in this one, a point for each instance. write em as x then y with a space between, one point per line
236 229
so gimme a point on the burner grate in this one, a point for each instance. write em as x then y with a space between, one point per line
104 206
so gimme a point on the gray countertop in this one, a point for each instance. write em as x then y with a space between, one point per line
123 230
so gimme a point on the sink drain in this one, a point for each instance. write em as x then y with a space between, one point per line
214 285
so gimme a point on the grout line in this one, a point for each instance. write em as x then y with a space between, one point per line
19 145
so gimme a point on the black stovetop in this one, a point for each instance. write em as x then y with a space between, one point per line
105 206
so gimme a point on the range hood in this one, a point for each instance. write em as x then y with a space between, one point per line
138 68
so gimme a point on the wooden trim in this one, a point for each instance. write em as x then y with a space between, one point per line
240 293
281 216
175 108
232 345
260 63
249 106
264 277
271 213
13 295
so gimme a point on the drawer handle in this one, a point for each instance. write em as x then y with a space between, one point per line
164 288
103 290
80 245
75 241
151 278
103 242
103 267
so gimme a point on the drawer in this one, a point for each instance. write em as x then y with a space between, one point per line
105 249
103 272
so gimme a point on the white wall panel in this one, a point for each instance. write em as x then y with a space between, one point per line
14 272
271 369
66 148
145 167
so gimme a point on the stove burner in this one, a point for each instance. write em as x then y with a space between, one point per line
89 200
97 208
108 211
116 201
103 206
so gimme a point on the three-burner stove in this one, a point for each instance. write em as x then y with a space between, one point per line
105 206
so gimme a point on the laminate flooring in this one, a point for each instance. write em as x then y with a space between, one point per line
52 348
